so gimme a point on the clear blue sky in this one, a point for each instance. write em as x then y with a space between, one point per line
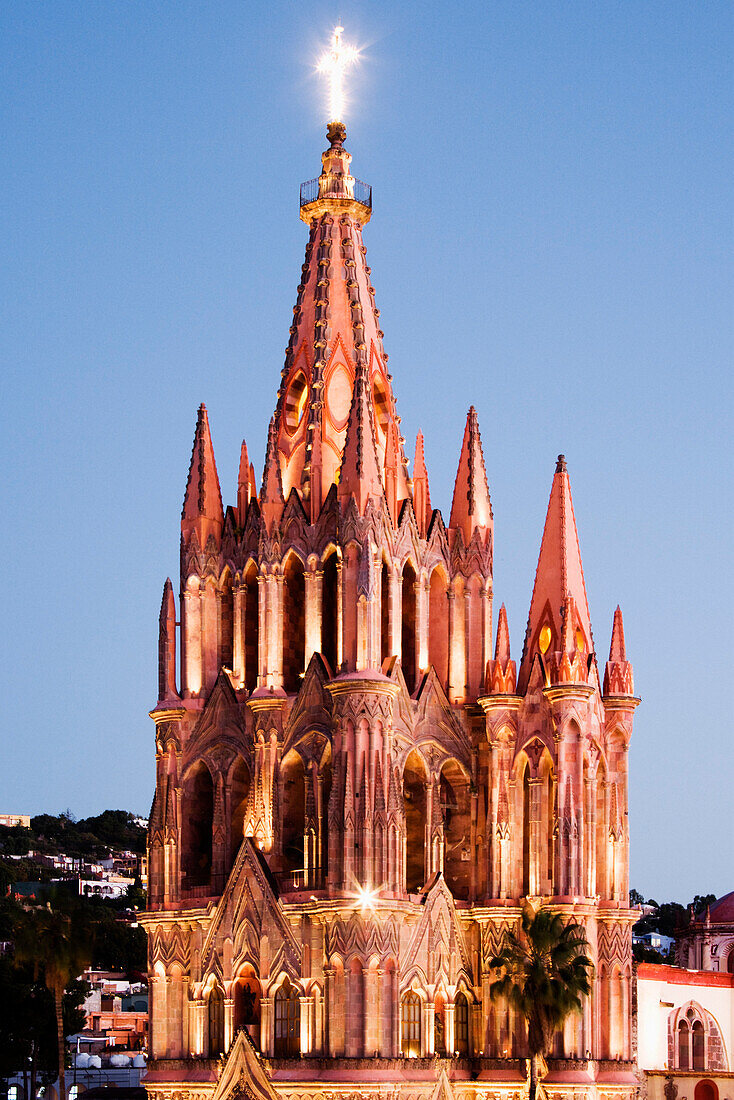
552 241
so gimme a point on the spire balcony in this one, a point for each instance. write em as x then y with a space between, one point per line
336 191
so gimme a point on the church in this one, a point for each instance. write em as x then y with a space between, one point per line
358 786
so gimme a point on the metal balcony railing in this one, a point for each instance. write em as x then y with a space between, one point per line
359 191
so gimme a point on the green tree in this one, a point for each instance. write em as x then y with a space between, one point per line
57 944
543 972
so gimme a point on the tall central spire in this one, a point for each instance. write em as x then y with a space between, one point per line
335 334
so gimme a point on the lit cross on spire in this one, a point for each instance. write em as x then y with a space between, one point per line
334 62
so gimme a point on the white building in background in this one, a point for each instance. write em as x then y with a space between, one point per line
685 1033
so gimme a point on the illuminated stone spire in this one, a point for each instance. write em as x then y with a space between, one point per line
244 485
335 326
471 508
167 646
618 679
559 609
202 508
421 491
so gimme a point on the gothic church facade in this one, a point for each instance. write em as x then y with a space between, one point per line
356 791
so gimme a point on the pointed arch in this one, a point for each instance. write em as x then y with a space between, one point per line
287 1021
247 993
461 1023
438 624
415 782
198 822
410 1025
408 639
475 635
226 621
238 789
293 812
215 1020
329 610
456 809
252 624
385 639
294 622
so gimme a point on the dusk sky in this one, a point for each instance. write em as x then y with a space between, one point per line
551 242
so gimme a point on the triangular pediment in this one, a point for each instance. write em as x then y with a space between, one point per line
250 896
438 948
435 718
312 708
221 719
243 1076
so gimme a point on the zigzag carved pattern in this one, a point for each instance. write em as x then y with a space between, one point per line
614 943
362 939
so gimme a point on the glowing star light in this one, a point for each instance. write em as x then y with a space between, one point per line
334 63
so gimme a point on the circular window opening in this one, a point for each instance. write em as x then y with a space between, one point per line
381 402
545 639
295 401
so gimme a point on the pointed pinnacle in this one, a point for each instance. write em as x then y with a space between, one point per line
617 648
471 507
202 506
502 645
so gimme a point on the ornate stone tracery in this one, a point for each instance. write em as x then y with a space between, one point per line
354 798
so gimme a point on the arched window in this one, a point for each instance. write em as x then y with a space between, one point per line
414 798
526 830
706 1090
408 632
252 626
294 623
198 817
226 623
215 1009
698 1045
461 1023
683 1061
287 1022
329 604
730 962
438 626
247 1004
410 1025
439 1026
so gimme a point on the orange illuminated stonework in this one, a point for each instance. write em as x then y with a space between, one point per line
355 794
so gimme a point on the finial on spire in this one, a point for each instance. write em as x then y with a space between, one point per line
561 466
334 63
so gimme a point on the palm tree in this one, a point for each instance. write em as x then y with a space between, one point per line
58 945
543 972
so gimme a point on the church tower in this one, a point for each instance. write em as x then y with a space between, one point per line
355 793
